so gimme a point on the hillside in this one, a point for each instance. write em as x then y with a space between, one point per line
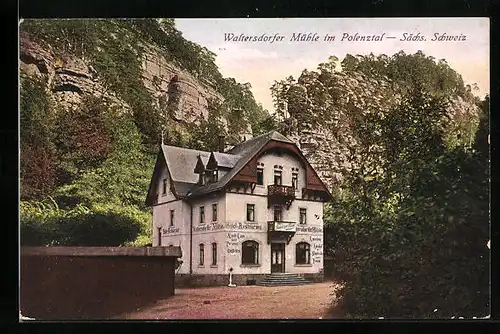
97 97
327 111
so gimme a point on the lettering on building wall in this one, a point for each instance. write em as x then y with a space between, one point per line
285 227
316 239
170 230
233 243
313 229
244 226
317 253
208 227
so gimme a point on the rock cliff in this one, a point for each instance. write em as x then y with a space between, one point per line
329 141
68 78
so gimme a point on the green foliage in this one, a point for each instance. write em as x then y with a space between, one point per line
37 123
81 138
97 159
45 224
411 238
407 70
205 136
123 178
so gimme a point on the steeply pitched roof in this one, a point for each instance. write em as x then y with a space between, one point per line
181 163
247 151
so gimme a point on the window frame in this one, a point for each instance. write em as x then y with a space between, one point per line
172 218
252 206
280 210
215 212
202 214
305 216
307 253
260 171
201 259
165 186
295 180
255 255
280 174
214 253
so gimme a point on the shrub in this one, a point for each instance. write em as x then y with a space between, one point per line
44 224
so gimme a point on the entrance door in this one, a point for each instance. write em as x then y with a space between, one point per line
277 258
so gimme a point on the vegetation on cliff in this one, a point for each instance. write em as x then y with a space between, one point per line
98 160
409 228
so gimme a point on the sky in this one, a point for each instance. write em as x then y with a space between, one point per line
261 63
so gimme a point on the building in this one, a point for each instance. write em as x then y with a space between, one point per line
257 208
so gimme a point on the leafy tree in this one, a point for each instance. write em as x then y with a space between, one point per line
404 237
37 150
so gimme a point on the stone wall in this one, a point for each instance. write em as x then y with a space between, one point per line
65 283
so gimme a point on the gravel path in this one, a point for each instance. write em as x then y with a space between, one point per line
243 302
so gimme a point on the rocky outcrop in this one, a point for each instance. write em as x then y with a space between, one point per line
68 78
329 143
177 92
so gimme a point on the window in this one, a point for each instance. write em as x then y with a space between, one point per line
214 254
303 253
303 216
214 212
260 176
277 177
295 180
164 186
250 252
159 235
202 254
171 217
202 214
250 212
213 176
278 214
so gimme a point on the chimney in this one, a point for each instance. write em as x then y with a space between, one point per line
222 143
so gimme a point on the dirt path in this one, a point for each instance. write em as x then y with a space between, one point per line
243 302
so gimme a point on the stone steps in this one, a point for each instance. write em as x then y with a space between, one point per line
281 279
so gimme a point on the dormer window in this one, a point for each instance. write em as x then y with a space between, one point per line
212 176
164 186
202 180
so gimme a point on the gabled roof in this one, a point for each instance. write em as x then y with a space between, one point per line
247 150
181 163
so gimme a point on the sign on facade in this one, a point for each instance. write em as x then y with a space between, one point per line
285 227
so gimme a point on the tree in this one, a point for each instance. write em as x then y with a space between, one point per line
402 232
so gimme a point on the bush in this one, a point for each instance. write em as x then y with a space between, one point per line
44 224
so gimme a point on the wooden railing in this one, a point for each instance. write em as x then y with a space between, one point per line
280 190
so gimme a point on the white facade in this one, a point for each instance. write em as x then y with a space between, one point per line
230 229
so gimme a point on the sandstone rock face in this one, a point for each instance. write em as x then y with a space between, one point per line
178 93
68 78
329 145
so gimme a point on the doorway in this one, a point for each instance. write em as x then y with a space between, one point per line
277 258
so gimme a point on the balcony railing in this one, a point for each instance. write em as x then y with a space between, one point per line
281 191
281 226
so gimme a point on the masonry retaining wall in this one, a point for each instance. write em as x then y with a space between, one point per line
64 283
